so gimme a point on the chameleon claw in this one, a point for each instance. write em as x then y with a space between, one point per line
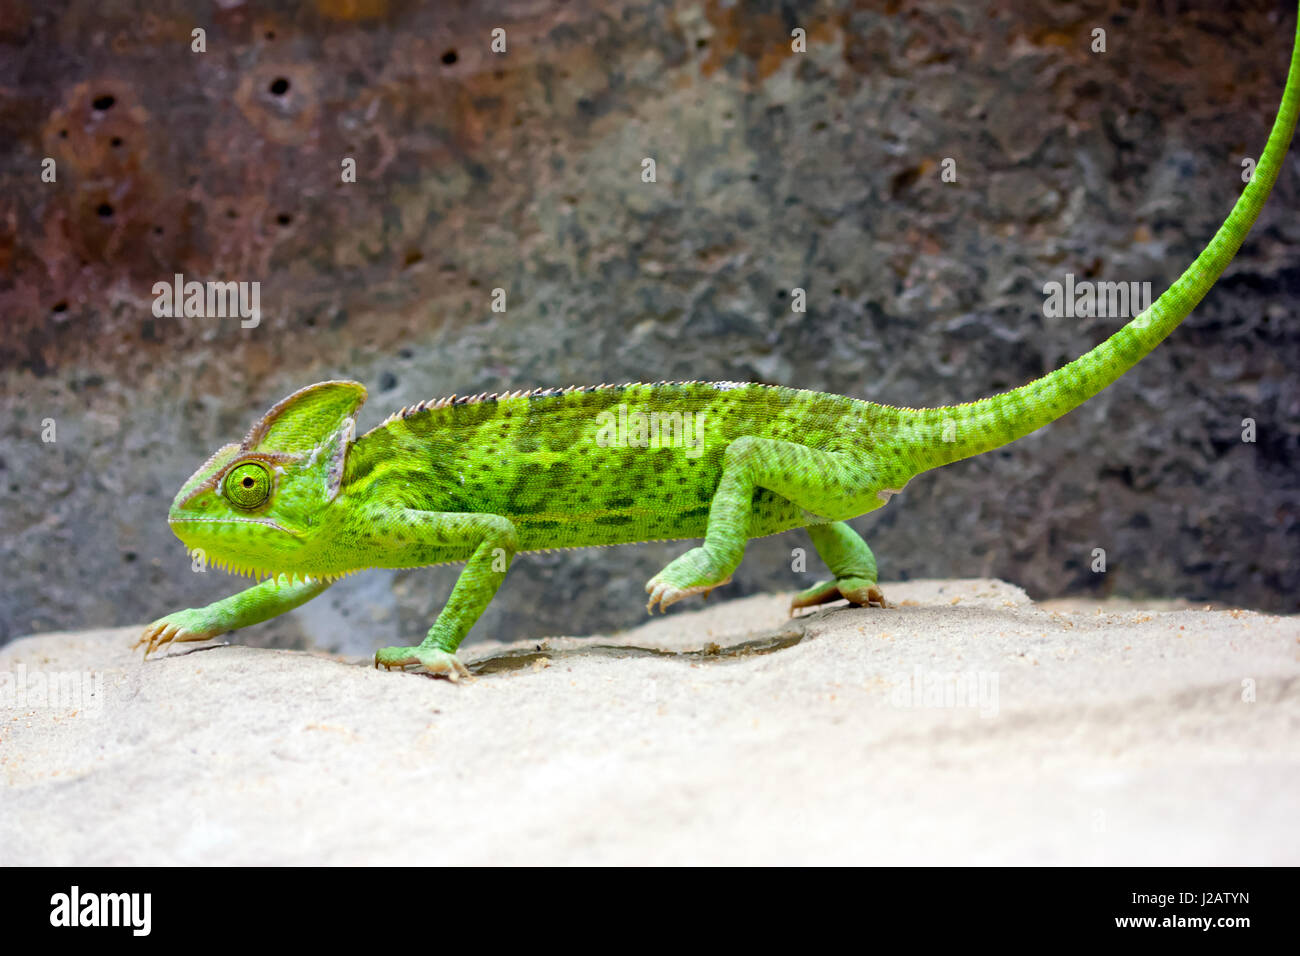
430 660
164 631
866 595
663 594
153 637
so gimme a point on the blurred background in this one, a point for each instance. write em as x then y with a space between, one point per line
522 170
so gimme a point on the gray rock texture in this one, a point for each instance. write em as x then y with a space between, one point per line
522 171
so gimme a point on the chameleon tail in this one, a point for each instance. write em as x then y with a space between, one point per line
950 433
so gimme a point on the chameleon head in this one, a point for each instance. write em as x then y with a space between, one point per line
259 506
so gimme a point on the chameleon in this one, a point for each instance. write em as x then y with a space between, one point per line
302 501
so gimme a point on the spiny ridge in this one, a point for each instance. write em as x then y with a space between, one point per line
540 392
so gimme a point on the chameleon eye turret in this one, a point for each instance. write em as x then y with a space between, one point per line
247 485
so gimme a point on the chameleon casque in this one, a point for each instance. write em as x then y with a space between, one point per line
301 501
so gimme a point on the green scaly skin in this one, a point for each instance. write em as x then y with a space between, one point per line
476 480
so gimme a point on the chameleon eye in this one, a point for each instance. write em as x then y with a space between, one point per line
247 485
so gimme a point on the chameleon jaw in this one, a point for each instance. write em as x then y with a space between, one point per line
262 521
245 568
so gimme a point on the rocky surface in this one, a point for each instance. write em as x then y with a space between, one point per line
964 725
522 171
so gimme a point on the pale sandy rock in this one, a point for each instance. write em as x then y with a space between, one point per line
1106 736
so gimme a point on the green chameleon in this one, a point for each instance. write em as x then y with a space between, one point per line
301 501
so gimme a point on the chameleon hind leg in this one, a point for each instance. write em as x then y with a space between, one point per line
825 484
851 563
492 542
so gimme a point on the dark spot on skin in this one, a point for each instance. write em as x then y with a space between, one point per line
103 103
60 307
449 57
284 219
115 141
279 86
105 211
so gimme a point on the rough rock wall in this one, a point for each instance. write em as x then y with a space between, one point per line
522 171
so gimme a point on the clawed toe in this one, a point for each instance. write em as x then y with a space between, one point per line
156 635
663 594
860 596
429 660
178 628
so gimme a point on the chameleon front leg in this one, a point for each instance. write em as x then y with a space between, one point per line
825 484
252 606
492 541
852 566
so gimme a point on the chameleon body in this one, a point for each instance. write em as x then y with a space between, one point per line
301 501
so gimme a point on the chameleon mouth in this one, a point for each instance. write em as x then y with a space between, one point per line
267 522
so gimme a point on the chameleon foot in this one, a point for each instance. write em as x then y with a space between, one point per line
178 627
856 591
698 571
663 594
431 660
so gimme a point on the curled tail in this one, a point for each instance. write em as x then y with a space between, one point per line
937 436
